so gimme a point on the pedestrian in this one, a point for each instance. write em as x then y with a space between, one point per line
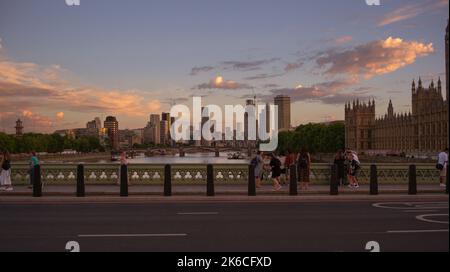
275 166
258 164
353 170
5 175
303 168
34 161
442 165
290 160
339 161
123 161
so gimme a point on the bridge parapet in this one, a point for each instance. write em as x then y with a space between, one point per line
153 174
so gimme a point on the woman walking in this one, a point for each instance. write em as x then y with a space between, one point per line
303 169
353 170
258 163
339 161
275 165
5 175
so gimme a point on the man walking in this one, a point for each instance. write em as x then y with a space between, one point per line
442 166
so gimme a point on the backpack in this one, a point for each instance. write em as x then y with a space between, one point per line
254 161
302 161
277 162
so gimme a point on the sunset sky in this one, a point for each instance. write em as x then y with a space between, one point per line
62 66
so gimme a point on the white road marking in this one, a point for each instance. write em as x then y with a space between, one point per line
198 213
411 205
423 217
132 235
419 211
417 231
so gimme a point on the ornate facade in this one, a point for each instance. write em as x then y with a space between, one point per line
421 131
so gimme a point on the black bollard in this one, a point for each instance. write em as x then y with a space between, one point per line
412 187
293 180
80 181
251 181
373 180
210 180
334 190
37 185
123 180
167 180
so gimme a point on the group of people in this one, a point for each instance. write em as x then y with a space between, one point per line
347 163
280 165
348 167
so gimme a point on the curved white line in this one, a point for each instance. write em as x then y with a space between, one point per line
411 205
423 218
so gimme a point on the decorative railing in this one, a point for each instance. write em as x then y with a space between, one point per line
153 174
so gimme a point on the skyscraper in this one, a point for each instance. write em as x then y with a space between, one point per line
284 112
112 126
164 131
152 130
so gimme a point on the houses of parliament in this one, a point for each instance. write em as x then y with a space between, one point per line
422 131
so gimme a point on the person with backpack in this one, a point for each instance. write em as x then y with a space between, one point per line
353 170
258 163
275 165
303 168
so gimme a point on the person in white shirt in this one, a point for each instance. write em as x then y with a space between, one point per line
442 166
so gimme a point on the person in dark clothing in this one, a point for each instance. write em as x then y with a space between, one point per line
303 168
275 165
339 161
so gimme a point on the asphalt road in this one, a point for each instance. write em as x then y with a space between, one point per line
262 227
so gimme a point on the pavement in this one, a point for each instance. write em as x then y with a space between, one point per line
139 190
301 223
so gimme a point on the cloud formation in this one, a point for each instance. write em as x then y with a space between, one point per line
247 65
197 70
220 83
412 10
314 94
373 58
28 89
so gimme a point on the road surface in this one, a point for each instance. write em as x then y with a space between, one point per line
324 225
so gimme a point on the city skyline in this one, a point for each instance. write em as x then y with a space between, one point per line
61 71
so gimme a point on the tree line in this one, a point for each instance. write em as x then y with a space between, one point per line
50 143
316 138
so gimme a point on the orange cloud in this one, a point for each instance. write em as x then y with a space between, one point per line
60 115
220 83
374 58
28 85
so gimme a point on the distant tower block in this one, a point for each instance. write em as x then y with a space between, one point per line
19 127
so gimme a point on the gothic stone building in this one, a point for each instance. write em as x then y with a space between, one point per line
421 131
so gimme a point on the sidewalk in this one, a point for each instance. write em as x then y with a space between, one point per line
141 190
